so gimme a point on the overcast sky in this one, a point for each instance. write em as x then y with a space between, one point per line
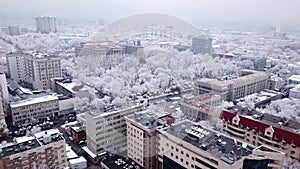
276 12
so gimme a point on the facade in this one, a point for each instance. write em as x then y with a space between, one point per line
202 44
107 131
188 145
197 108
78 133
38 106
45 24
141 136
259 128
276 83
295 92
34 69
43 150
250 81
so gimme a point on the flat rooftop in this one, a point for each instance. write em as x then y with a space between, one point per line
24 144
218 145
119 162
72 86
33 99
146 119
260 96
294 78
53 134
204 101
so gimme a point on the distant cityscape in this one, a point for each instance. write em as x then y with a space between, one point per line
148 91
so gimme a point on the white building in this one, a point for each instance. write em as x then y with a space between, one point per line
35 69
78 163
107 131
45 24
202 44
295 92
34 107
294 79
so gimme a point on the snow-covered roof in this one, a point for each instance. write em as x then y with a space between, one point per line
295 78
89 152
33 100
77 160
49 132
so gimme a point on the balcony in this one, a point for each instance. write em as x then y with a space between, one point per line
241 130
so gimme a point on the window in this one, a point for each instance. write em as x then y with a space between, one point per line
268 133
181 160
176 157
181 152
187 163
172 154
187 155
177 149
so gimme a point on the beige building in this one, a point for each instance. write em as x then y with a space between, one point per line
259 128
35 69
107 131
141 136
46 149
197 108
188 145
250 81
34 107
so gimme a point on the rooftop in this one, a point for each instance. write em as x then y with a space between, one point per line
72 86
146 119
49 136
204 101
77 160
24 144
119 162
261 96
296 88
295 78
214 143
33 99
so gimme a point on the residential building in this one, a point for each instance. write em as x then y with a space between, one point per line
14 30
260 99
141 136
276 83
259 63
39 106
202 44
259 128
78 163
77 132
197 108
36 69
3 87
70 88
189 145
294 79
106 131
46 149
250 81
295 92
45 24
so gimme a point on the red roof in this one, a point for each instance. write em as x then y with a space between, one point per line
279 133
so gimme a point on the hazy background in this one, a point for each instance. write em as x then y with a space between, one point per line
268 12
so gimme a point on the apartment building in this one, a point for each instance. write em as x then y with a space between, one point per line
37 106
197 108
141 136
295 92
46 149
45 24
189 145
250 81
202 44
259 128
34 69
107 131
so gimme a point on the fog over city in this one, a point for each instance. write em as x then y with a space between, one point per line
269 12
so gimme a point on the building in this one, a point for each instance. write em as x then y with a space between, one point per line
141 136
98 48
45 24
276 83
295 92
4 97
113 161
46 149
188 145
294 79
259 63
197 108
77 132
36 69
78 163
260 99
39 106
107 131
202 44
14 30
259 128
70 88
250 81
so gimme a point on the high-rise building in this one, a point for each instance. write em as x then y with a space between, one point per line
202 44
190 145
259 128
37 70
249 82
46 149
14 30
141 136
107 131
259 63
45 24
